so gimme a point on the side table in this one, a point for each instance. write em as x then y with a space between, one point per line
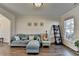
46 43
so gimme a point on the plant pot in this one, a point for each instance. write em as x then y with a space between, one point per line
77 52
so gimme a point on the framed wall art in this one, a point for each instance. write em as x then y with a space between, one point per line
35 24
29 24
41 24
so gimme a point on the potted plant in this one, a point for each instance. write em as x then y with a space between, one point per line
77 45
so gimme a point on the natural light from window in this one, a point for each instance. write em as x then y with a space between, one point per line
69 28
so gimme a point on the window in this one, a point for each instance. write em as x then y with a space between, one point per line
69 28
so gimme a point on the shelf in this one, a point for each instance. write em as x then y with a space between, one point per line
57 34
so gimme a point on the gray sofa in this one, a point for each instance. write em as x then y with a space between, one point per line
21 40
32 45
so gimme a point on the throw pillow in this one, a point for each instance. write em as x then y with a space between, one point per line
31 37
17 37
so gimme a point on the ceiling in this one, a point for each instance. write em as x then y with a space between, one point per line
28 9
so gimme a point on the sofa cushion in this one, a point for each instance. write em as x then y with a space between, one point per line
21 41
33 44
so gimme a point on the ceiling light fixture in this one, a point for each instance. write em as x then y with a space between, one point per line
37 4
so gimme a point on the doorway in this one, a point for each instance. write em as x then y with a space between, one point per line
5 28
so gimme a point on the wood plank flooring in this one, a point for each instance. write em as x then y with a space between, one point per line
53 50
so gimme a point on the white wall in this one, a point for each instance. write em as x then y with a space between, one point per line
5 28
22 24
75 13
10 17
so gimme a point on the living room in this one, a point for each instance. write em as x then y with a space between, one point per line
26 19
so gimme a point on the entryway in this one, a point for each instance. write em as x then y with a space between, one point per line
5 29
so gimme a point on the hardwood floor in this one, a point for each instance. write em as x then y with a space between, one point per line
53 50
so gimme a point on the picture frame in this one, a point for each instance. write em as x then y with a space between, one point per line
35 24
29 24
41 24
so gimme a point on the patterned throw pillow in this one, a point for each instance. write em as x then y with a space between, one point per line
31 37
